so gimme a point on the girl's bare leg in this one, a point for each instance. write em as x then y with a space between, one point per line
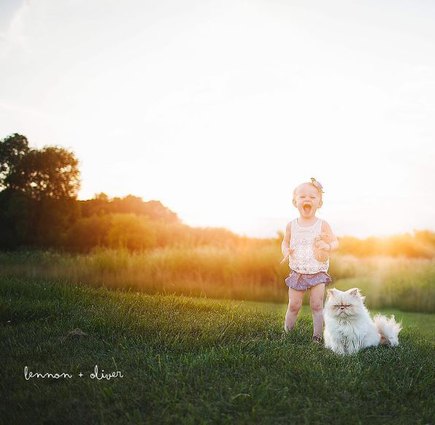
316 303
294 305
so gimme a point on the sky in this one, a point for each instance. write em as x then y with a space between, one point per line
220 108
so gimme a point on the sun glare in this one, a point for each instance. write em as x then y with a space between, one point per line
220 111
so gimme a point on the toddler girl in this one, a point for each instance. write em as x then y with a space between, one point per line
307 243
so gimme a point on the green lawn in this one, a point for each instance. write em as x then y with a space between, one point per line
197 361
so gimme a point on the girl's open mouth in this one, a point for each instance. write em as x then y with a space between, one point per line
307 208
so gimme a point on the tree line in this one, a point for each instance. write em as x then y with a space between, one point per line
39 209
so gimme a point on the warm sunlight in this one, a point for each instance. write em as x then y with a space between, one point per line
218 109
154 268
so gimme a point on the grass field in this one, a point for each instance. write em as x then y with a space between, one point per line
246 274
197 361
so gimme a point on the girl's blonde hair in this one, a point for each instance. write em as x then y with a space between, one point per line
314 183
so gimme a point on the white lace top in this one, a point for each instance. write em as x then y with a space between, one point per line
302 241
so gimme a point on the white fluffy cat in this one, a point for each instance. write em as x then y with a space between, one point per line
348 326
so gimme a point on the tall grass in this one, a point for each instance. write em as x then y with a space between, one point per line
235 273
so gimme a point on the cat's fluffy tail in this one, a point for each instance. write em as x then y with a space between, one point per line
388 328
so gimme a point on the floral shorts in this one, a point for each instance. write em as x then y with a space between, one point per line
302 282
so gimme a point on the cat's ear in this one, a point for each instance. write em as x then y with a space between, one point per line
332 292
355 292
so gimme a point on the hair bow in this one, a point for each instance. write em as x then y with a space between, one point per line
317 184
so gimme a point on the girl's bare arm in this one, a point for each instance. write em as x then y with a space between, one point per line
330 237
285 245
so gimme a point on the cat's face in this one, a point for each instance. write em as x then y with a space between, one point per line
344 304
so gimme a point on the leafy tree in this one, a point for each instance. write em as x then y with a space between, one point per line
38 188
101 205
12 150
89 232
131 232
16 210
51 220
51 172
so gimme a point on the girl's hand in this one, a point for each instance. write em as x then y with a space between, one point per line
287 253
325 237
322 245
321 249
